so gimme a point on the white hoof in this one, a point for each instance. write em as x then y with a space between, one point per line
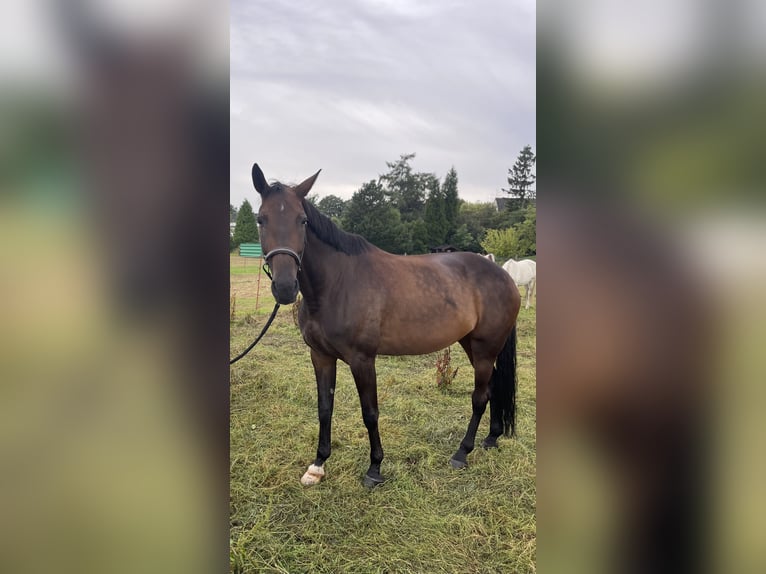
312 476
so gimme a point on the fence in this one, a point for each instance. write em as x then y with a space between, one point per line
250 290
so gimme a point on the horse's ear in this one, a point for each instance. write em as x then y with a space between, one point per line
259 181
302 189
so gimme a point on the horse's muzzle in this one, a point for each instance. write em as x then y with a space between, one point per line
285 292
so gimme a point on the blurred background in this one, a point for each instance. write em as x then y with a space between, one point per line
113 170
113 258
652 235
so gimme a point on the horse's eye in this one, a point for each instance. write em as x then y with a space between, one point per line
304 221
259 220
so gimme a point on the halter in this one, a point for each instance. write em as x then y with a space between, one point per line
277 251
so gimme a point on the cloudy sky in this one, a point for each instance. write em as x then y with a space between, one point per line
348 85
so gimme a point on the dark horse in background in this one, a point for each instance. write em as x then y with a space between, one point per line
360 302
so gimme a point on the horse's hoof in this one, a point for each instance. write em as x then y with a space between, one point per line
312 476
457 464
372 481
488 443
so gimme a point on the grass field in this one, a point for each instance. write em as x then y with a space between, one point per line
426 517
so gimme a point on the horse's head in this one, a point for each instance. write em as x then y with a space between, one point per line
282 229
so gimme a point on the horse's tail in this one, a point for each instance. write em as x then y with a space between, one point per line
503 385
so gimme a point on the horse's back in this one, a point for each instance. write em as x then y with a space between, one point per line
497 298
461 279
433 300
480 274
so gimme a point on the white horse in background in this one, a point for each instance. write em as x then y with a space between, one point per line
524 273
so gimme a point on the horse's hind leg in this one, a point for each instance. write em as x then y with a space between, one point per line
495 412
482 366
495 416
465 342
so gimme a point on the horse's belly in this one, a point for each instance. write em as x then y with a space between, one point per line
415 341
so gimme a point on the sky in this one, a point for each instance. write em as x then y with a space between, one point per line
348 85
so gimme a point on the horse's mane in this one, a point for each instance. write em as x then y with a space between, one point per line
332 235
325 230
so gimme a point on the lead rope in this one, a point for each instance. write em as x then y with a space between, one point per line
267 270
263 332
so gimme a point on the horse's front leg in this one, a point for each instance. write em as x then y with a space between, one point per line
325 370
363 370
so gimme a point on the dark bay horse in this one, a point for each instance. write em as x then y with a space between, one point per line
360 302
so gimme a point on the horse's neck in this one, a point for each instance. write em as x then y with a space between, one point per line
321 264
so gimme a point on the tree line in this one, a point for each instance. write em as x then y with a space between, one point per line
405 211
